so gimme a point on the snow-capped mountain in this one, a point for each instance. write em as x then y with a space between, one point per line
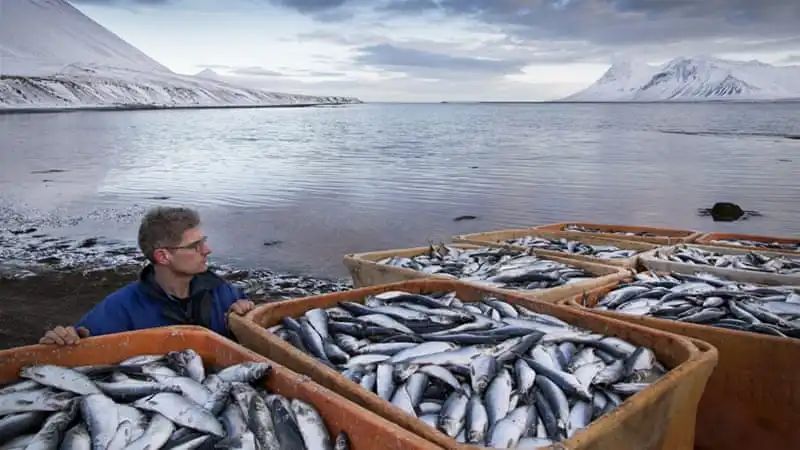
694 79
54 56
208 73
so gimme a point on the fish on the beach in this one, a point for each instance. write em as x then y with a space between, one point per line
707 299
150 402
489 372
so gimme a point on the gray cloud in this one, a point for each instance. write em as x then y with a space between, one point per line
791 59
123 2
256 71
426 63
310 6
410 6
633 21
614 23
324 74
215 66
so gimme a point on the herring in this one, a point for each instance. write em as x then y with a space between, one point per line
155 401
497 373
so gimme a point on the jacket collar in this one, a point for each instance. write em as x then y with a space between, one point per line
201 283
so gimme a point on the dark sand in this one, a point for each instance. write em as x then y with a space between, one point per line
30 306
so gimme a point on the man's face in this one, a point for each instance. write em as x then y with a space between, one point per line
191 255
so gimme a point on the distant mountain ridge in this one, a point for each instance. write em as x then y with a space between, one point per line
54 56
694 79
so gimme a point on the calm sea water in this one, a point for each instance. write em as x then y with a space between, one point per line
332 180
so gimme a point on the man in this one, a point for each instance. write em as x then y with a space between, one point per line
176 288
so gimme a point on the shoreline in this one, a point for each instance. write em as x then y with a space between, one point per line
51 109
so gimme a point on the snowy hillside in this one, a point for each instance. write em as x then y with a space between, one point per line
53 56
694 79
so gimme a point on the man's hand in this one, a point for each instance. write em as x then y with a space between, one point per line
242 307
64 335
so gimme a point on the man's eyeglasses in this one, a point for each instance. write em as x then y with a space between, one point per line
196 245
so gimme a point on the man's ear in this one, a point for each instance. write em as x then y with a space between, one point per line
161 256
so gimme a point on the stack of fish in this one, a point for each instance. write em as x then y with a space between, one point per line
791 246
585 229
574 247
494 266
755 262
489 372
706 299
152 402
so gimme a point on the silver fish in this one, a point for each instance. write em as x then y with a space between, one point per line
453 414
233 420
122 436
76 438
247 372
507 432
243 441
188 363
402 400
388 348
556 398
385 321
455 373
141 360
385 381
461 357
14 425
260 421
482 371
190 389
525 376
137 421
182 411
53 429
102 418
426 348
415 386
477 421
218 399
18 443
156 434
315 436
705 299
579 417
442 374
20 386
134 389
192 444
498 397
61 378
318 318
286 426
429 407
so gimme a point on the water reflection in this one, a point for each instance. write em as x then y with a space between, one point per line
328 181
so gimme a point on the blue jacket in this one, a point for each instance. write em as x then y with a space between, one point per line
143 304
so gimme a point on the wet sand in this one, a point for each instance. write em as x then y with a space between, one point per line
29 306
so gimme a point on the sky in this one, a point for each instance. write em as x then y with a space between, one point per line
443 50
